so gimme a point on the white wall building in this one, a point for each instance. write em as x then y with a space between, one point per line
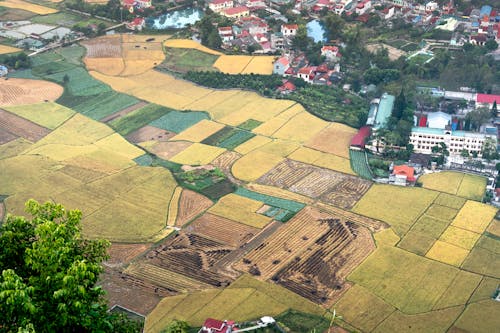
424 138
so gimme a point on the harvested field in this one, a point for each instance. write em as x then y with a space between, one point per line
20 127
6 136
334 139
191 255
26 91
150 133
103 47
240 209
107 66
122 254
191 204
167 150
189 44
4 49
225 161
222 230
13 14
19 4
310 255
331 187
398 206
49 115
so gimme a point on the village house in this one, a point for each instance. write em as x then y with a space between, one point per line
287 87
143 4
402 175
363 7
236 12
289 30
331 53
281 65
136 24
306 74
256 4
218 6
226 34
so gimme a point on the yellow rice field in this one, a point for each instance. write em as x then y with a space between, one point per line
324 160
240 209
255 164
173 206
334 139
460 237
474 216
199 131
107 66
4 49
242 64
46 114
189 44
197 154
254 143
294 129
280 148
19 4
447 253
260 65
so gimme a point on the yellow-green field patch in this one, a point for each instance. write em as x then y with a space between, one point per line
398 206
46 114
483 261
474 216
459 291
252 144
197 154
240 209
448 200
460 237
447 253
255 164
199 131
481 317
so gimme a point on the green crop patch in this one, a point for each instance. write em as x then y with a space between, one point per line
78 82
250 124
299 322
177 121
139 118
289 205
105 104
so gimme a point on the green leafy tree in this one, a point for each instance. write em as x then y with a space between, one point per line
478 117
49 275
489 150
177 326
400 105
494 110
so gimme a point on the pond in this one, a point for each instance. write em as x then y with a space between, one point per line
316 31
175 20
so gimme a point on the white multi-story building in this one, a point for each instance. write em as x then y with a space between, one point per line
424 138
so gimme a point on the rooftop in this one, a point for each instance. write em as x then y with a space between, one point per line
384 110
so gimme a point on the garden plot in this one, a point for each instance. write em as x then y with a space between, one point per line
26 91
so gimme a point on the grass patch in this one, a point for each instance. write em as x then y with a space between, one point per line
299 322
250 124
105 104
184 60
79 83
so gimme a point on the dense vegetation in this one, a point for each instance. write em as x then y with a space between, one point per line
329 103
49 275
16 61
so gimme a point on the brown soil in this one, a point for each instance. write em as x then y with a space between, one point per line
12 14
15 91
6 136
167 150
222 230
123 112
21 127
148 133
122 254
104 47
191 204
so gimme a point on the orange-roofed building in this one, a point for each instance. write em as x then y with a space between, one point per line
403 174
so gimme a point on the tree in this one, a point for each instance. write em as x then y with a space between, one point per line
478 117
400 105
49 275
301 41
494 110
464 153
489 150
491 45
177 326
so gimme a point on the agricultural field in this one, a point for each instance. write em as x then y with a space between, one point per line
310 255
5 49
460 184
183 60
400 207
242 64
47 114
28 6
334 139
26 91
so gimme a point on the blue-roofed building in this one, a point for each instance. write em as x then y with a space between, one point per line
3 70
485 11
424 138
380 111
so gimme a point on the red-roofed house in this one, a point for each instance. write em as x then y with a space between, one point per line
331 53
217 326
402 174
226 34
136 24
306 74
287 87
363 7
255 4
359 140
289 30
236 12
487 100
220 5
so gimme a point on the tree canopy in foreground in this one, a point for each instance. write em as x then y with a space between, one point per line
49 275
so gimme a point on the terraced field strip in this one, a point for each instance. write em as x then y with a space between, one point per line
123 112
21 127
372 224
164 278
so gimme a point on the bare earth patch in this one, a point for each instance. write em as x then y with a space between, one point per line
191 204
21 127
148 133
25 91
122 254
